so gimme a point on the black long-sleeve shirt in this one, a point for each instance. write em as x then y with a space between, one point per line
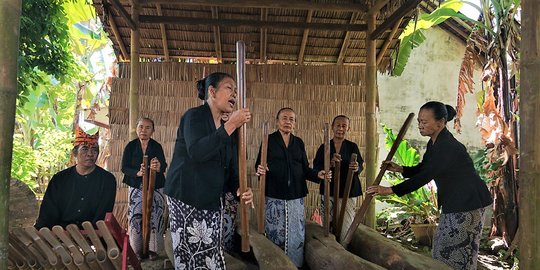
133 157
288 168
204 163
347 148
459 188
72 198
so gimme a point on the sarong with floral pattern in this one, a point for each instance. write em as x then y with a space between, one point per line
285 226
230 208
197 236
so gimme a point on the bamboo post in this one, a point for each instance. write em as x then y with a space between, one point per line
326 221
144 219
10 15
242 144
134 70
529 194
262 181
335 212
360 213
346 192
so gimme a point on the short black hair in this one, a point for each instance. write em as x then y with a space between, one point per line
440 110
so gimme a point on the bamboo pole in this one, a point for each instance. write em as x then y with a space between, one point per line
43 247
360 213
10 14
262 181
335 212
149 194
113 252
134 70
88 252
78 257
326 221
242 143
529 194
101 253
144 219
57 247
371 107
346 192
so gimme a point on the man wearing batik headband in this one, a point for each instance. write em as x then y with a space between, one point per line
84 192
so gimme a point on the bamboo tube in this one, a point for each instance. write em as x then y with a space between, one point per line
326 182
27 256
144 225
57 247
113 252
335 212
149 200
16 257
360 213
78 258
88 252
46 249
346 192
101 253
242 134
262 181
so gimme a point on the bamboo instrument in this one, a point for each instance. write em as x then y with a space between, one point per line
19 258
57 247
326 182
43 247
335 212
242 144
262 181
113 252
101 253
88 252
360 213
23 244
145 225
346 192
78 257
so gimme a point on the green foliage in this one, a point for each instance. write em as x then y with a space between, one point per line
420 204
487 170
23 163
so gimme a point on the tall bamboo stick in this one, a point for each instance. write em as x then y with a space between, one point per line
242 144
346 192
326 183
365 204
335 212
262 181
144 225
149 194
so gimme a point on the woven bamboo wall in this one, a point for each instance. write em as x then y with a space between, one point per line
167 90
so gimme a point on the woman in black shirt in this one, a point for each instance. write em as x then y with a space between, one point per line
462 195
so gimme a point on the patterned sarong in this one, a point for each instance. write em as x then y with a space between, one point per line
350 211
197 236
457 238
285 226
156 221
230 208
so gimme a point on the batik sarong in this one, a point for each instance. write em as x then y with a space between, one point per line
457 238
285 226
350 211
230 209
157 226
197 236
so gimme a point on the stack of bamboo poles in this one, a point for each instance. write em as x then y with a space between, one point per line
167 90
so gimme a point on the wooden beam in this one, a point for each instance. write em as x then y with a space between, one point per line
377 6
388 41
253 23
217 35
304 39
398 14
122 11
346 39
117 35
264 36
278 4
163 34
134 72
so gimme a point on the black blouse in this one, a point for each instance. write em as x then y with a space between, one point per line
346 150
288 168
72 198
459 188
133 158
205 161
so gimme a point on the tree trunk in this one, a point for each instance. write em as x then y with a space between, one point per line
10 16
268 255
370 245
324 252
529 193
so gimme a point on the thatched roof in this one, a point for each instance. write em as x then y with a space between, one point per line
275 31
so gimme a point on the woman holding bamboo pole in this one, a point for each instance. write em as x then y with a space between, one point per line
134 170
341 150
462 195
286 173
204 168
